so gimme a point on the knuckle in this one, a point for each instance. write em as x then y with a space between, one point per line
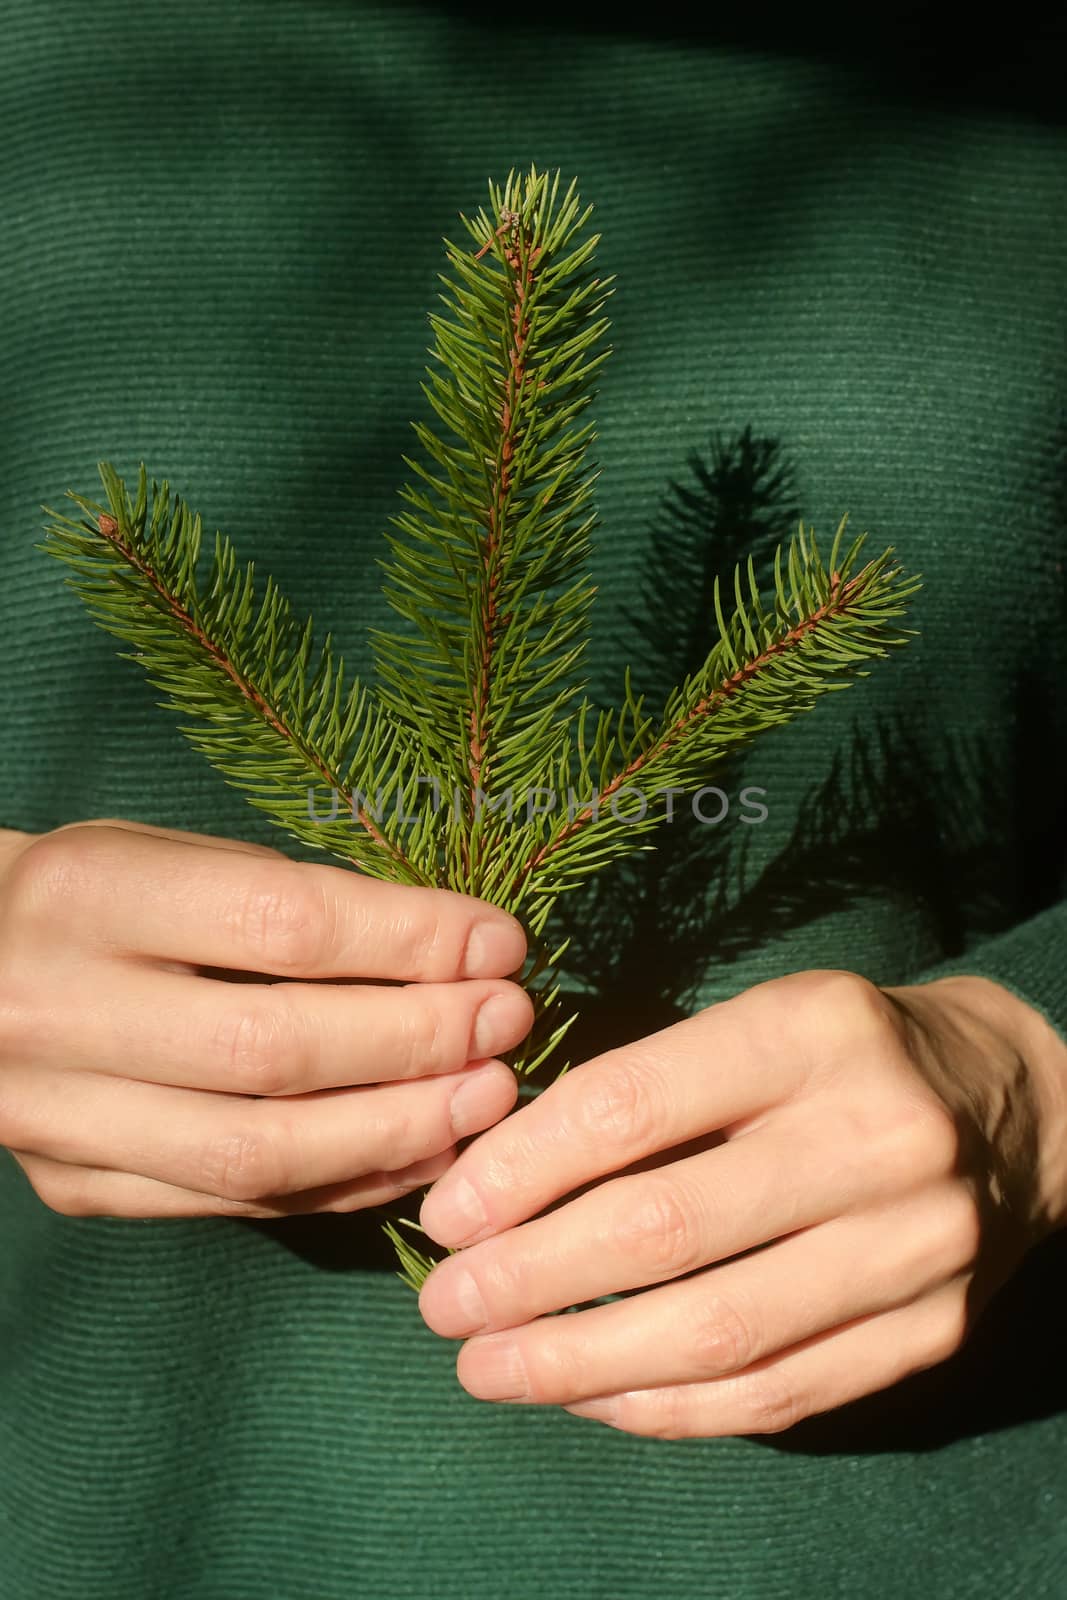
858 1007
656 1413
920 1140
260 1047
854 993
557 1369
771 1403
58 869
723 1339
897 1136
245 1163
420 1042
407 1135
618 1103
657 1230
409 1126
419 942
282 923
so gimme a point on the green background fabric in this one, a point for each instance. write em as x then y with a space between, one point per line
221 229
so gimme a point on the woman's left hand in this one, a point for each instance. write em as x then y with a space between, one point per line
826 1180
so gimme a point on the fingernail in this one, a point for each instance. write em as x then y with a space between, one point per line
495 947
500 1372
450 1215
476 1102
498 1023
452 1304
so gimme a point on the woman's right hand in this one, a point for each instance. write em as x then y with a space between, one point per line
136 1081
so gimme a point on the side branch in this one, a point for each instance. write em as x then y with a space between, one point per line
840 597
109 530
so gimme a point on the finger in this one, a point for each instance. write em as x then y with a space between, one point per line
825 1372
96 1192
734 1315
212 841
280 1039
636 1230
242 1148
135 894
697 1076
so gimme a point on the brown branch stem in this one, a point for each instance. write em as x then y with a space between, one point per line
491 621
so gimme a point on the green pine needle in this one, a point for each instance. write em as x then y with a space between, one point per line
415 1267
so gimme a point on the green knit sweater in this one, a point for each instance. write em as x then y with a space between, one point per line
221 226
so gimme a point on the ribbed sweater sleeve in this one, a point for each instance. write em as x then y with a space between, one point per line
1029 960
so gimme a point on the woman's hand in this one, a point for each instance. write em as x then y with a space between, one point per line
135 1081
879 1162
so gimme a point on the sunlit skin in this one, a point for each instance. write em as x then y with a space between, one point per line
880 1144
138 1079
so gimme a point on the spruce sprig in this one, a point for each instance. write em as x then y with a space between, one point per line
476 761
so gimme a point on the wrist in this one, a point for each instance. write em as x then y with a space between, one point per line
1032 1074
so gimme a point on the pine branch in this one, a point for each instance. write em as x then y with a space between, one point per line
478 695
